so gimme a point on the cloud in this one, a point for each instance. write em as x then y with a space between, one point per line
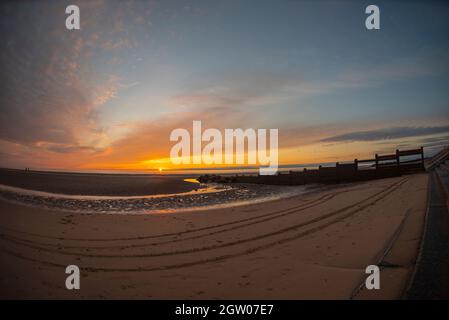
50 92
387 134
65 148
43 94
117 44
56 86
235 89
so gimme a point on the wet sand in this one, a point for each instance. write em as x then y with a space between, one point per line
315 245
96 184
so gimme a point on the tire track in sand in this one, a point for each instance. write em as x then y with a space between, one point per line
380 195
302 206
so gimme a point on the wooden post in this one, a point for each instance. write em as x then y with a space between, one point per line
422 158
304 174
337 172
356 163
397 162
377 166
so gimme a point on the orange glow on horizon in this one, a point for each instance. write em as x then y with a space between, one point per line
288 156
128 157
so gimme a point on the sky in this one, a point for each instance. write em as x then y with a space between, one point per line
107 96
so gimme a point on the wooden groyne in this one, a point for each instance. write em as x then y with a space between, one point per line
381 166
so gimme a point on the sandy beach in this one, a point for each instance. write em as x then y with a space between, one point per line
314 245
96 184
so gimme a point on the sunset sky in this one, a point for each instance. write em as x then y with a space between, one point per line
107 96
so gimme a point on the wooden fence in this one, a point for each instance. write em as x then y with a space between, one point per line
381 166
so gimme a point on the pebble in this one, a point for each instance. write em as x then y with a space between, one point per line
238 192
